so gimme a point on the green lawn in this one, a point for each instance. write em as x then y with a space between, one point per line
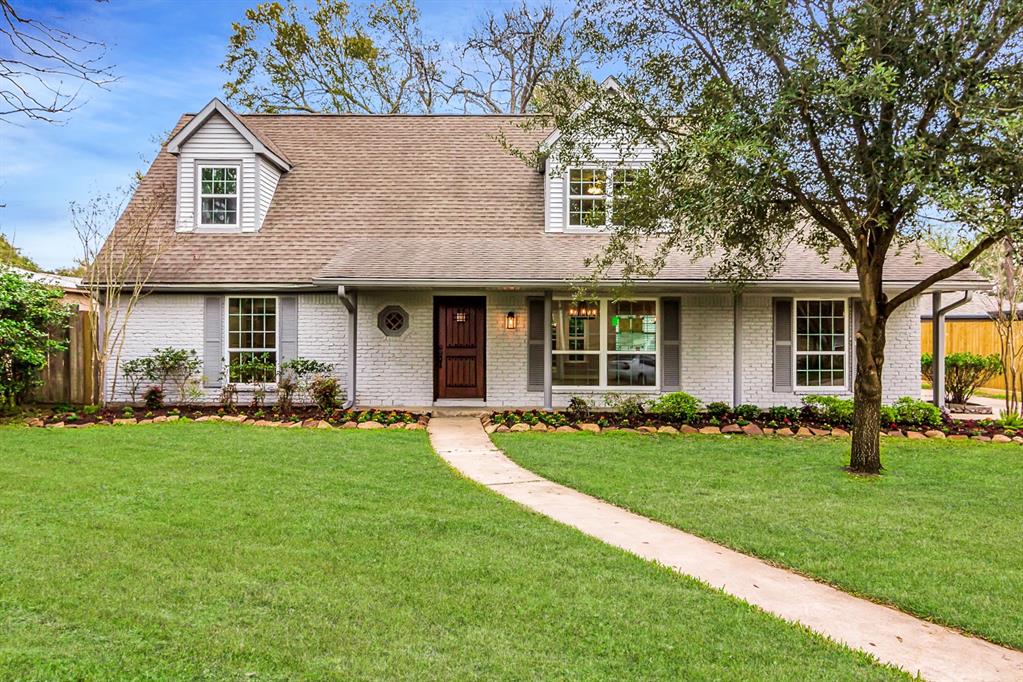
940 534
189 551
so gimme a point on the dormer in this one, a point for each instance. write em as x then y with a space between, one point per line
227 173
579 193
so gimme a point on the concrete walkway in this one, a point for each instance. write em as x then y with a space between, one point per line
932 651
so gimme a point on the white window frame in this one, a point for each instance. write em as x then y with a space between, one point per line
844 352
237 196
227 338
604 353
607 196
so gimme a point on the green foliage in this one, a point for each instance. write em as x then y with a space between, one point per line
255 368
325 391
28 311
748 412
9 255
829 409
783 414
629 406
677 407
718 410
304 367
153 397
915 412
1011 420
579 409
135 371
964 373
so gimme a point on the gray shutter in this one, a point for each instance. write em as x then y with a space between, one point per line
213 341
783 354
850 351
289 328
535 328
671 344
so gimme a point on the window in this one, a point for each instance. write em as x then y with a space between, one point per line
604 343
820 344
392 320
590 192
252 339
218 196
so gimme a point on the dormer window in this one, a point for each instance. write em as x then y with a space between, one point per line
590 193
218 191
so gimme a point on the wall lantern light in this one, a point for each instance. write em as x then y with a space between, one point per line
509 320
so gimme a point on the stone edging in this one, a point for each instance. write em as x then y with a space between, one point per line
236 419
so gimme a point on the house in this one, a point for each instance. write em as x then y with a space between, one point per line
431 267
74 292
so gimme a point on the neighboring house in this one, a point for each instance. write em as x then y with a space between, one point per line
432 267
74 292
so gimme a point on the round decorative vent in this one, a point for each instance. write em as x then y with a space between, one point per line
393 320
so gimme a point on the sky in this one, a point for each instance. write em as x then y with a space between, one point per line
166 54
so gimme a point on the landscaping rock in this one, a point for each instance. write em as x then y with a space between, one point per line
687 430
628 430
520 427
160 419
934 433
647 429
587 426
59 425
350 425
731 428
784 432
293 425
502 429
752 430
416 426
915 435
983 439
539 426
803 432
820 432
35 421
1017 439
709 430
565 429
768 431
396 425
671 430
1000 438
261 422
145 421
234 418
895 433
128 420
489 428
371 425
840 433
324 425
173 417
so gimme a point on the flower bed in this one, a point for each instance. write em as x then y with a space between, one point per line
819 416
299 416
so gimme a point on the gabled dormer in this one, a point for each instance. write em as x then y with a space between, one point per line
579 192
227 172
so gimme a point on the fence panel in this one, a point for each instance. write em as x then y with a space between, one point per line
71 375
974 336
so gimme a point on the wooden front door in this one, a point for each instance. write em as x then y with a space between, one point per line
460 331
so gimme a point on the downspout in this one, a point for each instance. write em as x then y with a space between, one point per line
350 299
938 343
736 350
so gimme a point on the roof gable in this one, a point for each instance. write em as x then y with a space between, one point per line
260 143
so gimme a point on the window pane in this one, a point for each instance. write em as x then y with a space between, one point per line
576 370
575 326
820 370
632 325
587 212
632 370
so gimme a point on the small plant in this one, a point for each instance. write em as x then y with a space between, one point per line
747 412
1011 421
71 417
325 391
579 409
829 409
153 397
915 412
90 410
783 414
228 396
127 412
677 407
287 385
136 371
628 407
258 414
718 410
148 415
964 373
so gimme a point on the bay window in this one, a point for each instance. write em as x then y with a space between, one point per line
604 344
820 343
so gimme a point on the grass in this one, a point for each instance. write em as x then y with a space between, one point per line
213 551
940 534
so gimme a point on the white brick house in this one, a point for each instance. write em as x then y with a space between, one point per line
431 267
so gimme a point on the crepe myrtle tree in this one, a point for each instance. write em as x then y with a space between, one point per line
855 128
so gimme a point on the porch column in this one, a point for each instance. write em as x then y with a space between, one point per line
548 353
736 349
938 343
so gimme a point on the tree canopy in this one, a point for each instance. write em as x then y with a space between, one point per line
9 255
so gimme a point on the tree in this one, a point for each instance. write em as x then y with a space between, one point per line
28 312
332 59
510 58
122 243
38 61
853 127
9 255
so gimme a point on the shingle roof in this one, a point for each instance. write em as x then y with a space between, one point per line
413 198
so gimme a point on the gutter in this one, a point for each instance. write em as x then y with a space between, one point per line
350 300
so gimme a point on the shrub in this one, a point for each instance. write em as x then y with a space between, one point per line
286 387
912 411
228 396
782 413
747 412
153 397
677 407
964 373
629 407
325 391
1011 421
579 409
829 408
718 410
90 409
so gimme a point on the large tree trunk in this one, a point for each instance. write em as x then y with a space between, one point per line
870 342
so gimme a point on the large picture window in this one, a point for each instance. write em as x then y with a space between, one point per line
820 343
604 344
218 196
252 339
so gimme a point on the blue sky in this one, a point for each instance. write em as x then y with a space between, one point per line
167 54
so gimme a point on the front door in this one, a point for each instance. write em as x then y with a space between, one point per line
460 331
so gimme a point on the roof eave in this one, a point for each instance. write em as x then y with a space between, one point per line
215 106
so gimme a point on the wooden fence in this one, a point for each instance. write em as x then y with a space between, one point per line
974 336
72 375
